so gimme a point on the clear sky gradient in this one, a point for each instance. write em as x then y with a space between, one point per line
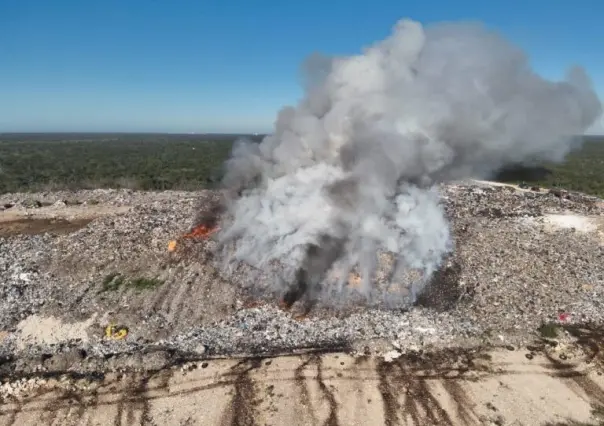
228 66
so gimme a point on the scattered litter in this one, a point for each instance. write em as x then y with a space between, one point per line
391 355
463 303
570 221
425 330
200 349
116 332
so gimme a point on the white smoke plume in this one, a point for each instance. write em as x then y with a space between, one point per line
351 171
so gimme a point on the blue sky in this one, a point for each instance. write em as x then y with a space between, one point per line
228 66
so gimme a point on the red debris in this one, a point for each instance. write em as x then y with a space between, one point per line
564 316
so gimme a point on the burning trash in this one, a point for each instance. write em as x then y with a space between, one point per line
201 231
353 171
207 221
198 232
172 245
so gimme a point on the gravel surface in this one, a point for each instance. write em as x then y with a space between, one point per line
73 263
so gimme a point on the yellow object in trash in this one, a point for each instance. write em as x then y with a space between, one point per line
116 332
172 245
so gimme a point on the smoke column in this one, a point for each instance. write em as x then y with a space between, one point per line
351 172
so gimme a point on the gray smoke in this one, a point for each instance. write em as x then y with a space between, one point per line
349 174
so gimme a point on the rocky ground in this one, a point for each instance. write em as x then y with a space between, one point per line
75 264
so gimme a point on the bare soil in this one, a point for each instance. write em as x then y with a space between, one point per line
40 226
538 385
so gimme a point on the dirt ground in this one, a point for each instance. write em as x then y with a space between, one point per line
500 386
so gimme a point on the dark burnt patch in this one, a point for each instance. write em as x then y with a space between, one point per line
443 291
404 388
209 212
389 394
578 381
406 394
318 260
590 338
328 395
138 401
302 386
297 290
76 399
243 407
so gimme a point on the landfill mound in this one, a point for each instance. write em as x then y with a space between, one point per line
87 277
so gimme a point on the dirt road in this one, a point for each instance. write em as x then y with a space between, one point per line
512 386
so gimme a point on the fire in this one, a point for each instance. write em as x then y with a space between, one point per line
200 231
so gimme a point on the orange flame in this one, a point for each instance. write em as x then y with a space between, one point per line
201 231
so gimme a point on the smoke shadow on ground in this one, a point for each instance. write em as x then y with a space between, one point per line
443 291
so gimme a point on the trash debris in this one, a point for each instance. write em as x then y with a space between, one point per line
172 246
563 316
200 349
116 332
391 356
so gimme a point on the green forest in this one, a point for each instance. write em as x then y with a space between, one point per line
39 162
146 162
